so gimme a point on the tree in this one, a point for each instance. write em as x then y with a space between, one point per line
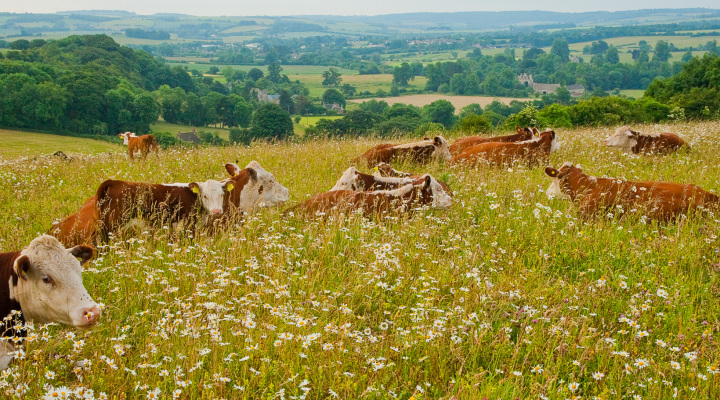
331 77
402 74
471 109
274 70
213 70
561 49
473 124
440 111
374 106
255 74
332 96
286 101
563 95
271 122
348 89
612 55
662 51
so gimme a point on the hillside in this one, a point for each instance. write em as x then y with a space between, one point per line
505 295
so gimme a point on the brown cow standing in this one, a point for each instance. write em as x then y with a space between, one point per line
144 144
656 200
530 151
646 143
420 192
463 143
421 151
80 227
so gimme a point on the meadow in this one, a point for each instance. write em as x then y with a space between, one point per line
508 294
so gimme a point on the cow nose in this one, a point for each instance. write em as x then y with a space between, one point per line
216 211
92 314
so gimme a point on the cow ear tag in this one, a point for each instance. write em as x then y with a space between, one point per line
195 189
229 187
376 169
553 172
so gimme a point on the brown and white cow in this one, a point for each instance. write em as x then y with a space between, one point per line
118 202
79 227
143 144
423 151
656 200
532 151
423 191
463 143
354 180
386 170
254 187
43 282
647 143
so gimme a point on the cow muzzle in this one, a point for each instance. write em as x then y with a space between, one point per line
90 316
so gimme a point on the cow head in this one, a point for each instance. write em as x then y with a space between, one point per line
526 133
384 169
124 137
442 148
438 197
552 137
348 181
623 138
558 186
212 195
47 283
261 189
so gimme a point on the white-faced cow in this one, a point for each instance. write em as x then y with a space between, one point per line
254 188
423 191
423 151
656 200
463 143
532 152
386 170
354 180
42 283
647 143
118 202
142 144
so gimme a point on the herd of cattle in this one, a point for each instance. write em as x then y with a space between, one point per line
43 283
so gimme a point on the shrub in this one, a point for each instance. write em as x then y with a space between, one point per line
474 123
212 139
429 129
241 136
166 139
555 116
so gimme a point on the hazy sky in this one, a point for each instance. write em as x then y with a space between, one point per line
338 7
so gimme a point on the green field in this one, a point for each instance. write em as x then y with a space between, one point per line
506 295
19 143
162 126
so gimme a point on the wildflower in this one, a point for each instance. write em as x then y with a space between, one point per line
51 375
598 375
660 343
573 386
517 373
640 363
713 369
538 369
674 365
576 363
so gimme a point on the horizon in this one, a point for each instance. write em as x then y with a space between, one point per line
316 8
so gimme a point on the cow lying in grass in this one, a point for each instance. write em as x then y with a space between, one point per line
532 152
421 152
42 283
647 143
463 143
354 180
423 191
253 188
656 200
143 144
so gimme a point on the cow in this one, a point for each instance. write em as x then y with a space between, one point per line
385 170
42 283
422 151
423 191
254 187
647 143
143 144
79 227
531 151
354 180
463 143
118 202
655 200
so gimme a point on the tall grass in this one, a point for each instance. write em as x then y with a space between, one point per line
505 295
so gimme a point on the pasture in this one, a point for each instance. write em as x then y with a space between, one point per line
507 294
424 99
21 143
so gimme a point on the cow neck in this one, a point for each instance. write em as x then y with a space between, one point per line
641 141
578 181
367 180
7 305
239 181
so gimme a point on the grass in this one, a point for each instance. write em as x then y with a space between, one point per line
20 143
635 94
506 295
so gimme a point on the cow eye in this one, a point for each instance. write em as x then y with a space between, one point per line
48 280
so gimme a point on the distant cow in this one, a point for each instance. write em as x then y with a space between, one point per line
42 283
119 201
656 200
423 191
80 227
143 144
422 151
254 187
634 142
532 151
463 143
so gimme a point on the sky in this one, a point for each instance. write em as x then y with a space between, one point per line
338 7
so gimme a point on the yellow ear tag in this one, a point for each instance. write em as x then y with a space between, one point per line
553 173
376 169
229 187
195 189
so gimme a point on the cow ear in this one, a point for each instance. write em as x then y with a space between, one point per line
519 130
252 173
437 141
83 253
232 169
551 172
229 186
535 131
428 181
22 266
633 133
194 187
426 138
